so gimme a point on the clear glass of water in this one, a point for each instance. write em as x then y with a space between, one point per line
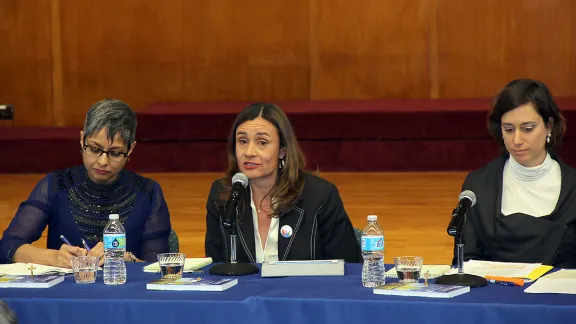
408 268
84 268
171 265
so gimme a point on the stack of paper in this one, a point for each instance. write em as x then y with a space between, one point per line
527 271
190 265
23 269
433 271
560 282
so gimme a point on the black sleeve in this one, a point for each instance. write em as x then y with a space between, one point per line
336 231
214 243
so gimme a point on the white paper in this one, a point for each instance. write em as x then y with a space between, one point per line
498 269
22 269
560 282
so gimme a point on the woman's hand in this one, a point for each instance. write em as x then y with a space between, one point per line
98 251
65 253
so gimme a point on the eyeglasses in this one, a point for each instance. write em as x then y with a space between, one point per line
112 155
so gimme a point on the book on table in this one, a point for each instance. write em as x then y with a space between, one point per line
10 281
416 289
192 284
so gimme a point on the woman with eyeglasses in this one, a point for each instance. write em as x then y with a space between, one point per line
75 203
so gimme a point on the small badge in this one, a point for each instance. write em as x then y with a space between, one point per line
286 231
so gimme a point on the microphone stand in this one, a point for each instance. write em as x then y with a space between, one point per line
461 278
233 268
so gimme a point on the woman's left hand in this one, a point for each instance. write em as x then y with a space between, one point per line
98 251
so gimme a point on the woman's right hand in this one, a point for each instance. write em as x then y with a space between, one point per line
66 252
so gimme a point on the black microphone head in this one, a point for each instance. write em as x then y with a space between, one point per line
469 194
240 178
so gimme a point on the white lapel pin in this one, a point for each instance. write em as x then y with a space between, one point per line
286 231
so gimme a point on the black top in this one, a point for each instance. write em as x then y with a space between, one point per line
489 235
321 228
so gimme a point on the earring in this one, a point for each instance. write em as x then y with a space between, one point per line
548 138
281 165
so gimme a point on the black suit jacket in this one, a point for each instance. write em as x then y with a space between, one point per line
489 235
321 228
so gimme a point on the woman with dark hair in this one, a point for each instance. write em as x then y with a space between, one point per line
286 213
76 202
526 198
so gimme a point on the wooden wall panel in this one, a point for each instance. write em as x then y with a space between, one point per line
369 49
130 49
485 44
249 50
25 60
61 56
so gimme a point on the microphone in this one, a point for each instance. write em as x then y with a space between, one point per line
239 182
466 200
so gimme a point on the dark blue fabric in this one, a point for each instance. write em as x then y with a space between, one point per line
279 300
71 205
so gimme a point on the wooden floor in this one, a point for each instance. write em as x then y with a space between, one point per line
413 208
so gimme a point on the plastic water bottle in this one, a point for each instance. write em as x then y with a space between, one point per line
114 249
373 273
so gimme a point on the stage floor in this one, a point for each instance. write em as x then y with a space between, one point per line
413 208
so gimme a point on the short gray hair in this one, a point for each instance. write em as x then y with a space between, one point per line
114 114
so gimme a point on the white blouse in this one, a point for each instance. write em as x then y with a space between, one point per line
270 250
532 191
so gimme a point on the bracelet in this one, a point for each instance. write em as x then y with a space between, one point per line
131 256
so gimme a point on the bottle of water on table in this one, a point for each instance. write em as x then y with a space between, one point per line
373 273
114 249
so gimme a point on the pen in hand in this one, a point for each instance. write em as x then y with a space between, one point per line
85 245
65 240
68 242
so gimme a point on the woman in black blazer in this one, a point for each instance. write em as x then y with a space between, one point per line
285 213
526 198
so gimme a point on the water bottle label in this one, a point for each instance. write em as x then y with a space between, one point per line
115 241
373 243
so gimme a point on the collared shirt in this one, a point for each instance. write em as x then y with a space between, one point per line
270 250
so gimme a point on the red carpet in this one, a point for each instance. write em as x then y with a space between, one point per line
383 135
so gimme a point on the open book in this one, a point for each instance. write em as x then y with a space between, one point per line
23 269
190 265
527 271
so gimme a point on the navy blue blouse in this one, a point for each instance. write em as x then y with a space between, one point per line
69 203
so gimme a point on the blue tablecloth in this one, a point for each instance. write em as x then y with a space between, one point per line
279 300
